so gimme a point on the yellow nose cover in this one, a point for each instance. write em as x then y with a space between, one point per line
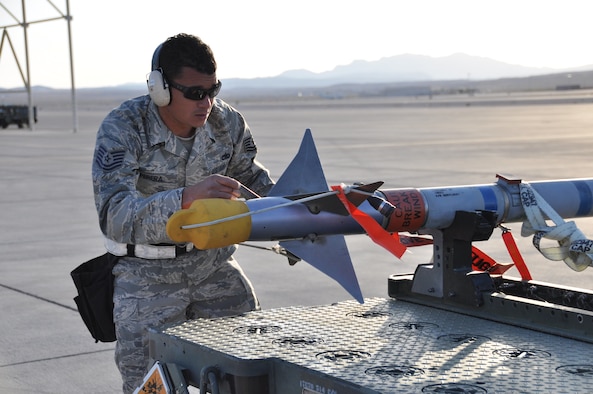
215 235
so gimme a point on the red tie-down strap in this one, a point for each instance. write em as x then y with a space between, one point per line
389 241
509 241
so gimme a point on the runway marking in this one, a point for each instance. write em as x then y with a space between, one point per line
39 297
57 358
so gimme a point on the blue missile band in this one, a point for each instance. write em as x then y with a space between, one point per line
489 197
585 198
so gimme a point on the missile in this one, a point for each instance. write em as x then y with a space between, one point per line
309 219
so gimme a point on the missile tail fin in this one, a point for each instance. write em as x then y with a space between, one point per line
329 255
304 174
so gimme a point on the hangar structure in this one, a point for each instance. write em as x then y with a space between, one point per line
6 45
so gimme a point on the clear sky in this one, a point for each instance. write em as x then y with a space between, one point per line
113 41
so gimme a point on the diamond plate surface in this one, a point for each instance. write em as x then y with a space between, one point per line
391 346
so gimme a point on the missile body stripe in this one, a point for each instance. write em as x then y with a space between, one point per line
586 198
490 203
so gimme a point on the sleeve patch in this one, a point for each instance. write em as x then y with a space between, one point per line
249 144
109 160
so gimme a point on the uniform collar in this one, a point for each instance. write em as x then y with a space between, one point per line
160 133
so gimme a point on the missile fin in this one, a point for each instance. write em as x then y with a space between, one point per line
329 255
304 174
333 204
359 198
329 203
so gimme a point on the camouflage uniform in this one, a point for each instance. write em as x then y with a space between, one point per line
139 171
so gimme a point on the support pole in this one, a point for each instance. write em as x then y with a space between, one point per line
73 89
26 75
25 25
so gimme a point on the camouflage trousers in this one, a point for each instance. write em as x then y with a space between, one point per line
150 293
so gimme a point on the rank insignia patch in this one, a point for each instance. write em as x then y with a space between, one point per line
109 160
249 144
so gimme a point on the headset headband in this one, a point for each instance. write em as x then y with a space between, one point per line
156 57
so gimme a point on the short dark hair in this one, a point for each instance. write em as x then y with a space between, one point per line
185 50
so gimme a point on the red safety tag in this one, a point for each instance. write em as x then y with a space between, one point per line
389 241
482 262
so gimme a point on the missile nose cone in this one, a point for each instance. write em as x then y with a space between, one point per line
210 236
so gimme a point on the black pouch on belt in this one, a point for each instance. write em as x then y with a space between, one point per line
94 281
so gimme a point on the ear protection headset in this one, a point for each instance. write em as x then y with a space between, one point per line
158 87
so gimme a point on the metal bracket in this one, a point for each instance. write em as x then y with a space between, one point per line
450 277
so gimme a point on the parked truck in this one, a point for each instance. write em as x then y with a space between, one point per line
16 114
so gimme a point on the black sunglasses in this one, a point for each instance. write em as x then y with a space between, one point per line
195 92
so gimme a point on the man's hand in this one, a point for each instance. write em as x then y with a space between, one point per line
215 186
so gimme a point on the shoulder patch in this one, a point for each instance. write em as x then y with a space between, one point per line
249 144
109 160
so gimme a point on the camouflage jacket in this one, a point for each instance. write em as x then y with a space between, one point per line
140 168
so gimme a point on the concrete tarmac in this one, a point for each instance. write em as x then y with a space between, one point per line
49 224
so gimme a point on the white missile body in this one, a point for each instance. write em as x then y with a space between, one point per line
416 209
310 221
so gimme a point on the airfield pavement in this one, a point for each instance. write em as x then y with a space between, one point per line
49 225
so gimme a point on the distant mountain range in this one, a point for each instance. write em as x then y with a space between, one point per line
396 75
404 68
399 68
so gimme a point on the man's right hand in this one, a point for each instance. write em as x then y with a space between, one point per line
215 186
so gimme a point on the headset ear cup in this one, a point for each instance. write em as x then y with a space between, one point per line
158 88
